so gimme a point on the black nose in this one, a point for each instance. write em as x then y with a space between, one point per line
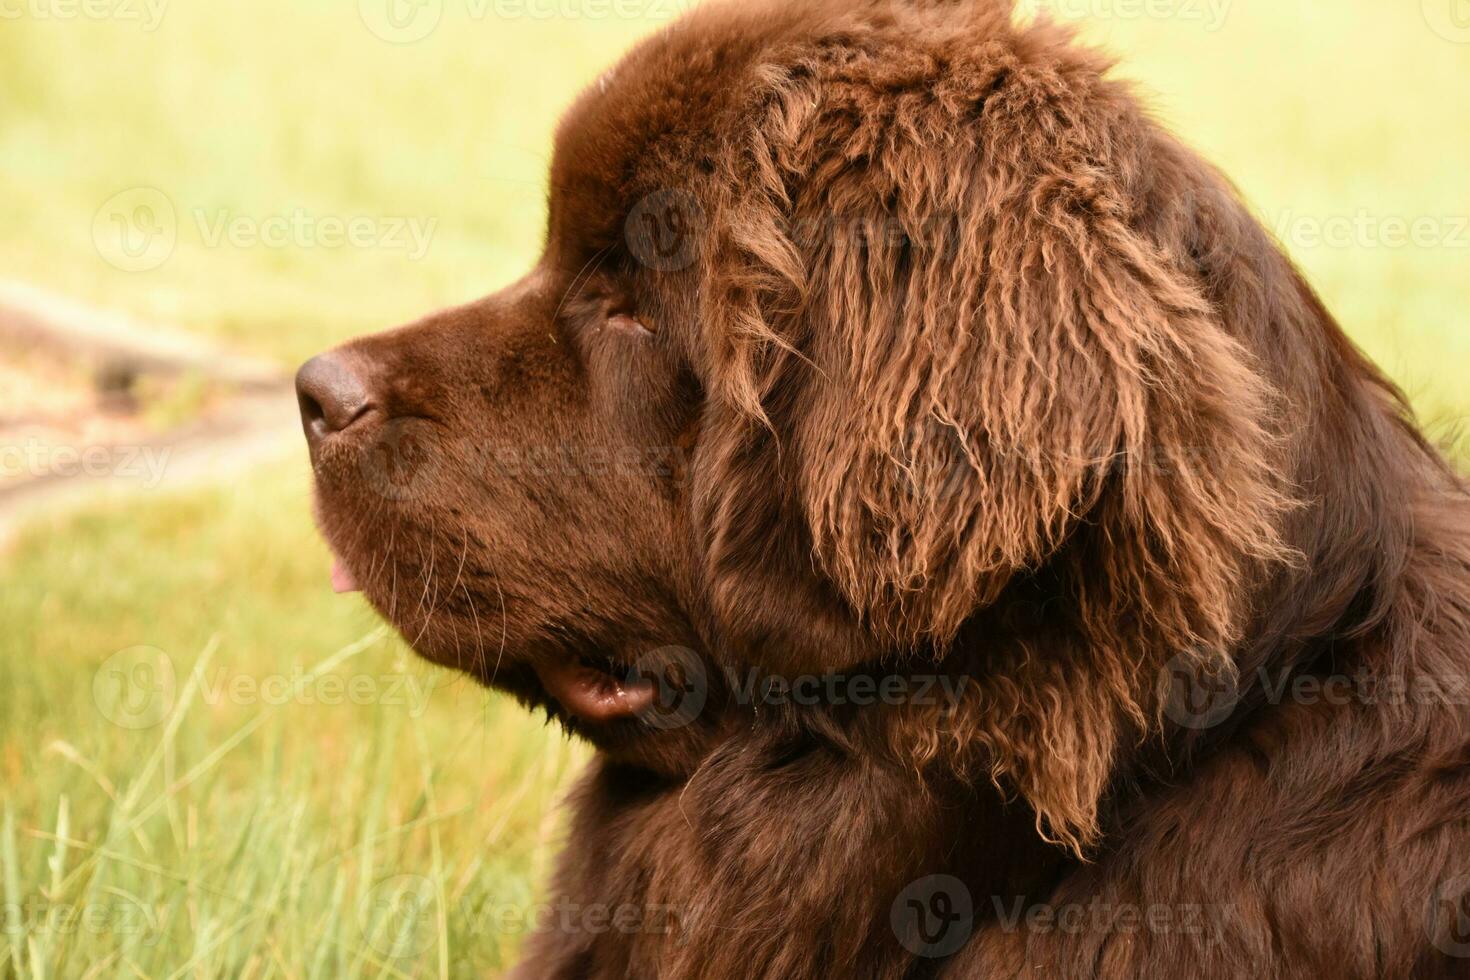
332 395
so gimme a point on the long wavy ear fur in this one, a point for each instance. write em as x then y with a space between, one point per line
951 357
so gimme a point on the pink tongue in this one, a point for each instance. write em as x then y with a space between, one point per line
342 580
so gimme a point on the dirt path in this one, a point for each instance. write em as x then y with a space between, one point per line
75 424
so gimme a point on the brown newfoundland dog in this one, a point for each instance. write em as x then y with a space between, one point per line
972 548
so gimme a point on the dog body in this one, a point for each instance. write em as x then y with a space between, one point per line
889 346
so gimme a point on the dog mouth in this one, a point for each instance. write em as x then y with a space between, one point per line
591 688
596 689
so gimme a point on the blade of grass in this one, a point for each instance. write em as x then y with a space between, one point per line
15 925
436 849
251 726
56 865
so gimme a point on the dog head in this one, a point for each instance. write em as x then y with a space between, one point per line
857 329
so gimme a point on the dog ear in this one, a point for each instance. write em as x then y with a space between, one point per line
963 349
949 355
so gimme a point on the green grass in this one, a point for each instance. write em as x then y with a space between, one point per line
261 110
1322 114
250 835
247 814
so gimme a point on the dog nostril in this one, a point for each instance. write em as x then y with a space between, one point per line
331 395
312 415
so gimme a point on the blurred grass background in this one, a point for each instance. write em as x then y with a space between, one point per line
238 838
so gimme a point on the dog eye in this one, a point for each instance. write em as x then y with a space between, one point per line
627 323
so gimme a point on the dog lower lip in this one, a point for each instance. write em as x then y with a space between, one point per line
591 689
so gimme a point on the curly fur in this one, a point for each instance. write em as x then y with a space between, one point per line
977 374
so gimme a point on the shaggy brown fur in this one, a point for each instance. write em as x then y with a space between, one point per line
956 367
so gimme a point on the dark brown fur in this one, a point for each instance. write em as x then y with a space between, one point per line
971 371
